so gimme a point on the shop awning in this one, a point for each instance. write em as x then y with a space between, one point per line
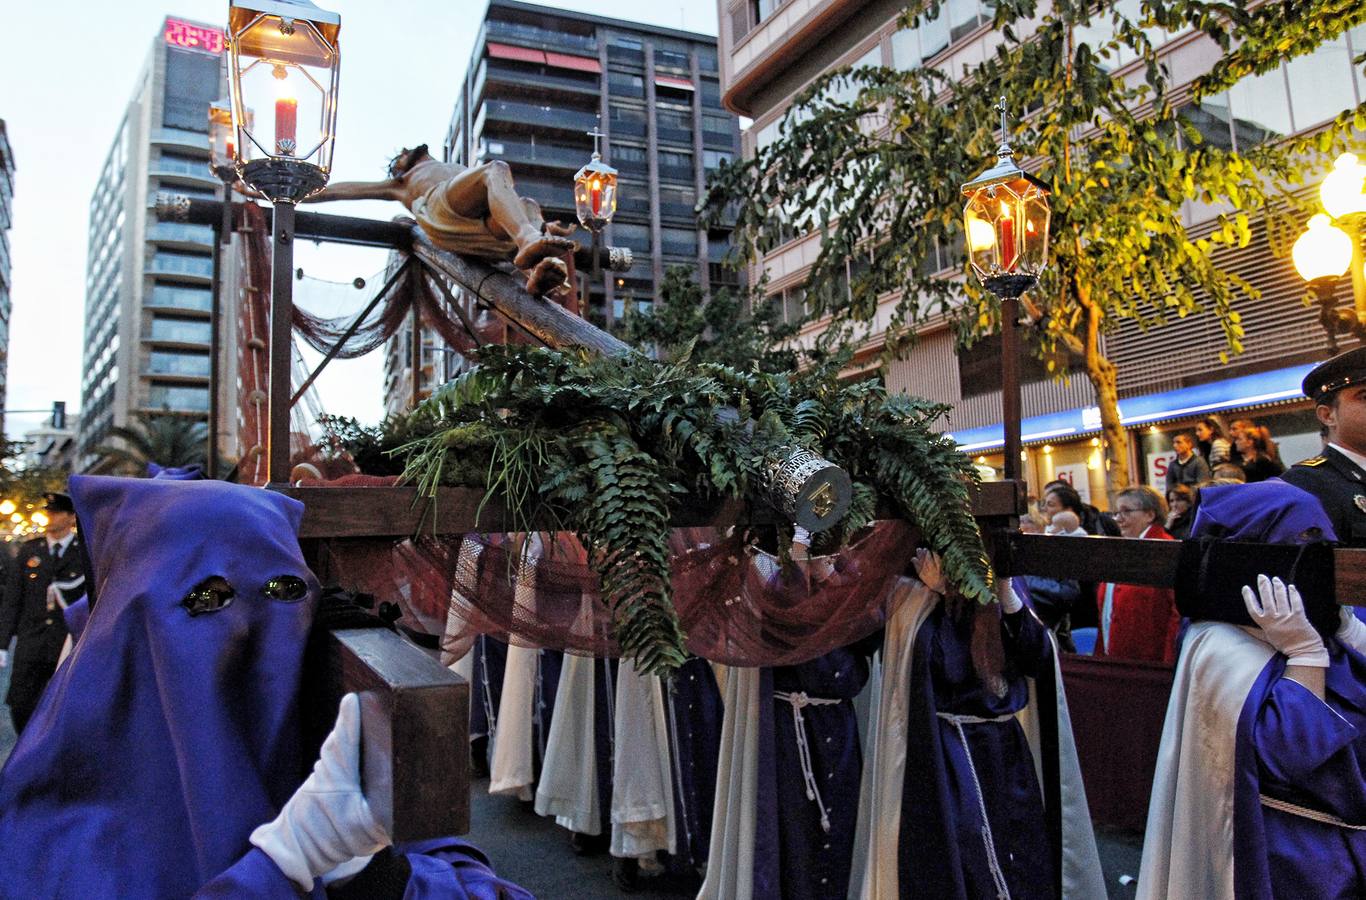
682 84
568 61
523 54
1278 386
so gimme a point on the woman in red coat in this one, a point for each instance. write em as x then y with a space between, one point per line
1138 621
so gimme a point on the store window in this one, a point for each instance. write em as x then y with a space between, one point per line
1260 106
1210 117
1319 87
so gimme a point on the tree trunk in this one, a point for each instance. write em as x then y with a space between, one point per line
1104 378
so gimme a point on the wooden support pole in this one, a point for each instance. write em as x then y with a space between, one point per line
1010 387
415 356
281 341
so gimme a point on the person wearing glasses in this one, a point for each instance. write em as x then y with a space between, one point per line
1138 621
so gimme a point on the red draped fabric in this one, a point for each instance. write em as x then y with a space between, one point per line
738 604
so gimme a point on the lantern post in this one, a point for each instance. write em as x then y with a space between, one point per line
1005 224
284 57
1331 248
595 197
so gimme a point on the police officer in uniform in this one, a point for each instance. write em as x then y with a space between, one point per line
47 574
1338 475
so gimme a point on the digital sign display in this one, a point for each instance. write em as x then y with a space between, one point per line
193 37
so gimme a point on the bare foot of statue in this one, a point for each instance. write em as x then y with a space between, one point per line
547 275
544 246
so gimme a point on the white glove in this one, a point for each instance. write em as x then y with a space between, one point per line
1352 631
1279 612
801 536
930 570
4 659
1010 601
327 821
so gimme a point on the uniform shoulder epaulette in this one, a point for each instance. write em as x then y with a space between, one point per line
1312 461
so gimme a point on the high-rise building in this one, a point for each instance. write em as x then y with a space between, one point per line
6 204
541 78
149 283
771 49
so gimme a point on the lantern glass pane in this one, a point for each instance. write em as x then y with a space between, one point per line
1034 214
980 230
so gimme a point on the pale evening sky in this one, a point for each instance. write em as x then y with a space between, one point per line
67 81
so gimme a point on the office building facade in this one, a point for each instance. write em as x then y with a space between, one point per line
149 284
770 50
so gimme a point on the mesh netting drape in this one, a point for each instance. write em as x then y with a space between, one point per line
738 604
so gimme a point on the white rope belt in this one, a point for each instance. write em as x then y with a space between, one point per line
56 592
994 864
1305 812
799 700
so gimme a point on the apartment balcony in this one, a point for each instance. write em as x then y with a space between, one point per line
678 211
179 138
180 236
533 118
628 55
675 135
498 81
522 154
524 35
181 267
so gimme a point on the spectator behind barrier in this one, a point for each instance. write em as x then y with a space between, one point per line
1258 453
1188 467
1138 621
1212 440
1180 511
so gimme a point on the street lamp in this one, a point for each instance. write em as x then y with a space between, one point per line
595 197
283 56
1330 248
1005 224
1322 255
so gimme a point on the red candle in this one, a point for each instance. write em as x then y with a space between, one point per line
1007 226
286 125
595 196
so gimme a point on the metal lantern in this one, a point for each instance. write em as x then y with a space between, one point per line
1005 223
222 141
284 58
595 190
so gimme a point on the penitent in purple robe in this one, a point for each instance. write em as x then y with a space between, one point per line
809 790
694 713
167 736
1311 754
943 852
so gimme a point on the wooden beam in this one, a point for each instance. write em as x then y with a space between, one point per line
359 512
1133 561
414 728
541 318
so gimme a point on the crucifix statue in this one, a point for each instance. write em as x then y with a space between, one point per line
473 211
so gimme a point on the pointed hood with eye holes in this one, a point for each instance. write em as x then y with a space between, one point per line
164 738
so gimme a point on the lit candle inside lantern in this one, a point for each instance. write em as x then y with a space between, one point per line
595 195
1007 226
286 118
